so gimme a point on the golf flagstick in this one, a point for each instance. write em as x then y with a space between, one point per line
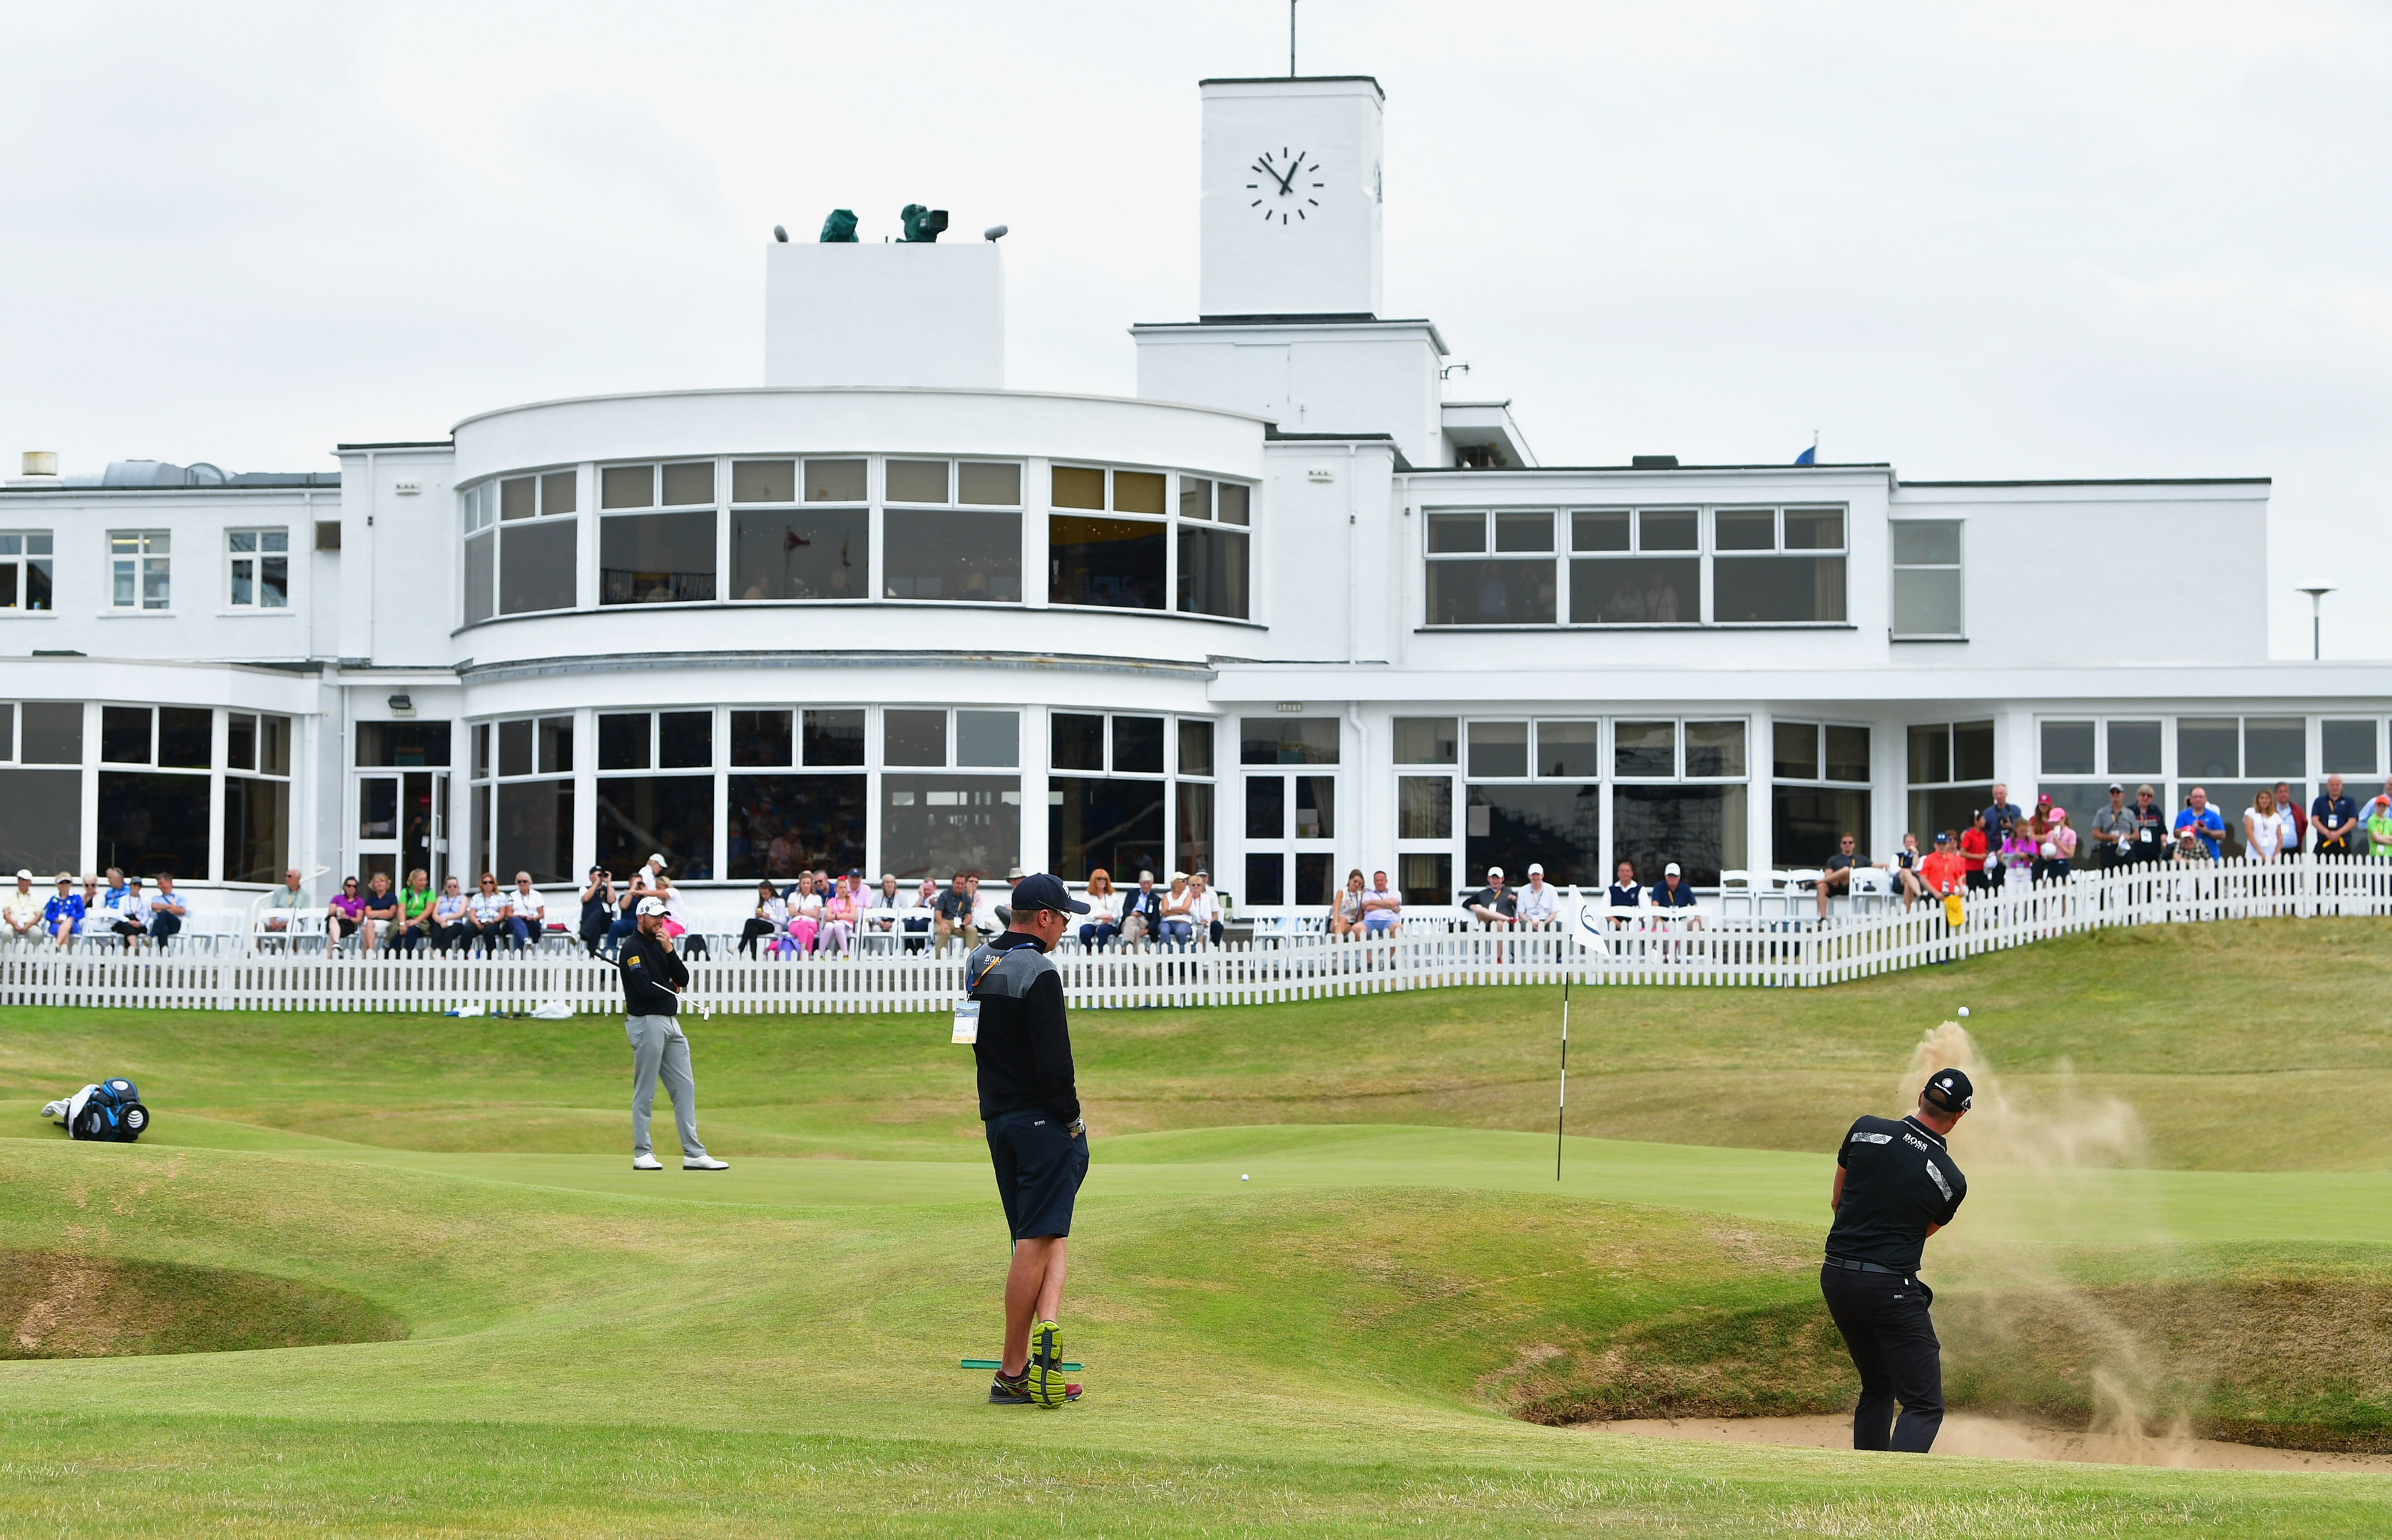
1586 924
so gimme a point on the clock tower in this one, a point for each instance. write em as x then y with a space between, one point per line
1292 198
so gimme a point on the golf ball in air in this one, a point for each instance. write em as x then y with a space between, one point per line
1244 1177
1964 1013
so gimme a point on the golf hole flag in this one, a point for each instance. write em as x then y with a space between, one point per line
1585 923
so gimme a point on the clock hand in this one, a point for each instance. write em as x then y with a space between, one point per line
1284 182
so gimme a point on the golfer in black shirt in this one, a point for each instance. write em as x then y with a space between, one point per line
1030 1109
1896 1185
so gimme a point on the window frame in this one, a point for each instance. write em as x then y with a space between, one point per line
147 565
1896 568
23 561
255 558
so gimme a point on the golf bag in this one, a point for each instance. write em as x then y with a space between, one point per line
111 1111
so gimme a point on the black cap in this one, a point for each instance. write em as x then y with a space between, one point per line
1949 1091
1942 837
1042 891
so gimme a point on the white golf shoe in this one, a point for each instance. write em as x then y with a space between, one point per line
647 1163
705 1163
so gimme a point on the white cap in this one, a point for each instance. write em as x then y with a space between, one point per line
24 874
1670 870
652 906
1536 868
1494 870
656 860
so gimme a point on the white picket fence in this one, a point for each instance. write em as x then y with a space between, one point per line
1649 948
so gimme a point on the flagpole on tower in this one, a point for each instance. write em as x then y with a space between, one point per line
1290 39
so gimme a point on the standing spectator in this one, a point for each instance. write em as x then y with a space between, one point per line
2000 815
2203 819
345 915
2379 827
1672 893
2263 833
414 912
1345 908
62 916
2334 817
2151 837
1383 907
597 909
452 918
1627 894
956 910
772 917
2114 831
527 914
1836 875
1177 928
24 908
1141 911
1204 910
1538 905
2018 856
2055 850
486 914
1905 867
2295 823
1977 850
1104 911
166 912
382 912
1494 905
283 906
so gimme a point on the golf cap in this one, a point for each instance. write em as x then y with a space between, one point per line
1179 876
657 861
1495 872
652 906
1041 890
2045 800
1670 870
1949 1089
2115 786
1536 868
67 878
24 874
1943 838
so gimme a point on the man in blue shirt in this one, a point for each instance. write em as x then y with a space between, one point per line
2001 815
1672 891
2336 819
2203 819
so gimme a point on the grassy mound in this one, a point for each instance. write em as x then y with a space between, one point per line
54 1304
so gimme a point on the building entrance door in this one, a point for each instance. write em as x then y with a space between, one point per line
402 825
1290 839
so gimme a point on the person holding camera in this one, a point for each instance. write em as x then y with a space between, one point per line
597 909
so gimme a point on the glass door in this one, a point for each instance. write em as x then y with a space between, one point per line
1291 838
378 842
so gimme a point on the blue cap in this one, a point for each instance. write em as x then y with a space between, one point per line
1042 891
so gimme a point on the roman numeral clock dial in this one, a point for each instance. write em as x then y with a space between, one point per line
1287 192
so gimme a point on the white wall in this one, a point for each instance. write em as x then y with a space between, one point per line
1316 248
899 313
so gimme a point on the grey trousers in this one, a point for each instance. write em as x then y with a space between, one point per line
657 1047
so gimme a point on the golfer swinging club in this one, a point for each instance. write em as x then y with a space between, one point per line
1031 1111
1896 1185
653 980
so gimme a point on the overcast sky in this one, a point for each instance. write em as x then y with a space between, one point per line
2025 240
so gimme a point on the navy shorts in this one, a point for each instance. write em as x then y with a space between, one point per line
1039 1169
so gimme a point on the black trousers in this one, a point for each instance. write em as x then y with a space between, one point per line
1883 1317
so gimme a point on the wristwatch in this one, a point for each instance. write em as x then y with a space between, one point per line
1079 1126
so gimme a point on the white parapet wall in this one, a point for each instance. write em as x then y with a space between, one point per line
903 313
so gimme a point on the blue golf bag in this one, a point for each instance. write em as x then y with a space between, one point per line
109 1111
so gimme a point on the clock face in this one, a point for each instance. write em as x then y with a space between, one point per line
1287 192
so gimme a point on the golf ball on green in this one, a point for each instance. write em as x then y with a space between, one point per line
1244 1177
1964 1013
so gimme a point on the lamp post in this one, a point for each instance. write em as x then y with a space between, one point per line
2317 606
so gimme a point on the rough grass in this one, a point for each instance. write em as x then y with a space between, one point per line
56 1304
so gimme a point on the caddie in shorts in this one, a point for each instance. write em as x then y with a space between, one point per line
1031 1109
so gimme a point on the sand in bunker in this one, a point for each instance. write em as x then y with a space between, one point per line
1994 1438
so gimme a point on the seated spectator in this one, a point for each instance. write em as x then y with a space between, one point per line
2055 847
771 917
917 917
63 917
1141 911
282 906
1836 875
804 902
414 912
884 906
486 914
1905 867
345 915
2334 818
1627 894
23 912
1673 893
1104 911
166 912
2190 849
2114 831
382 912
1177 928
527 914
957 911
1383 907
1537 905
126 908
2295 823
451 917
842 910
1977 849
2379 827
1494 905
2262 832
1943 872
2203 821
1345 908
1203 910
2151 826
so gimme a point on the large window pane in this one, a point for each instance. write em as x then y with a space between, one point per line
764 481
656 558
514 748
1490 593
1931 755
40 820
1424 807
916 480
2134 749
1794 755
940 554
912 737
1745 530
1316 806
1137 492
991 486
1927 601
685 739
2068 748
1498 748
1315 877
947 823
1524 532
627 487
481 572
1426 741
539 566
1456 534
1571 749
397 745
124 735
536 830
622 741
1559 825
1118 563
1078 486
1847 754
150 823
1078 741
1287 741
1599 531
1714 748
1266 879
1213 578
2209 747
1926 543
640 816
1701 828
1972 751
783 824
1815 529
1670 531
1115 825
1946 810
1425 878
2276 746
805 554
1137 746
1195 749
1195 826
1266 807
1663 591
2349 747
988 738
186 737
1777 589
834 737
1806 822
257 829
51 733
1644 748
687 484
762 738
834 481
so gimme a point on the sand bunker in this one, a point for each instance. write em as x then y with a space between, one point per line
54 1304
1995 1438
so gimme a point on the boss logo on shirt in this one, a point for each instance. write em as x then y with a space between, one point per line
1914 1139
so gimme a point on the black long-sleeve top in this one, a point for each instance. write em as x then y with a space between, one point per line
1024 1051
651 972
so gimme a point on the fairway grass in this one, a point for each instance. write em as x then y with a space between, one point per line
1333 1346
